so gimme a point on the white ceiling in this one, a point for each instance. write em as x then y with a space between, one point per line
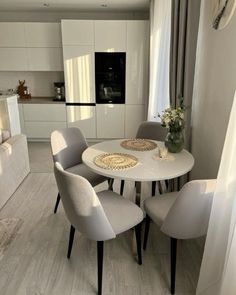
72 5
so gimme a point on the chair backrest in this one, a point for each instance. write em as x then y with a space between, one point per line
67 146
151 130
82 206
189 216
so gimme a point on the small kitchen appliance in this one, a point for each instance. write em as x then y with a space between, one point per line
59 88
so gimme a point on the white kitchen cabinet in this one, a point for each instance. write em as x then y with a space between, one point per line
134 115
137 62
110 36
12 34
43 34
83 117
77 32
79 73
42 130
44 112
110 120
45 59
13 59
41 119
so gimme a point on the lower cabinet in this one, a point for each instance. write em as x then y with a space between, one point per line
110 120
40 120
134 115
103 121
83 117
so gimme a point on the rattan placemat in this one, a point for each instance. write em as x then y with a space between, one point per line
115 161
138 144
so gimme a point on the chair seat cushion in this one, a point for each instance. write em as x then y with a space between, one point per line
83 170
158 207
121 213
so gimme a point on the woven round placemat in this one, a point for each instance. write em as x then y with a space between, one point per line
115 161
138 144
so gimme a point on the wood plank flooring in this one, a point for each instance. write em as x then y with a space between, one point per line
35 263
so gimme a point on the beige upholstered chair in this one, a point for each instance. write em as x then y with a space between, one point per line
67 147
149 130
181 215
99 217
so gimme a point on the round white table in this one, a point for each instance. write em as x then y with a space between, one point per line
148 168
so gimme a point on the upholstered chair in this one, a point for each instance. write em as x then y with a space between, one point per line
67 146
181 215
153 131
99 217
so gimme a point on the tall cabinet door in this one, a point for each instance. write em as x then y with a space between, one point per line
110 36
83 117
79 73
137 62
110 120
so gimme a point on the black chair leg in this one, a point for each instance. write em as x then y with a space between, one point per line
147 226
138 229
122 184
153 188
57 203
173 252
110 184
100 265
71 239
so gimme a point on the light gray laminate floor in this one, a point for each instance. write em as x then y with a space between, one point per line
35 263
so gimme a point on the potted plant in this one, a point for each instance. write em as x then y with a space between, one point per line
173 120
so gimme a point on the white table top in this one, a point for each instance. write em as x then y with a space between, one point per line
147 169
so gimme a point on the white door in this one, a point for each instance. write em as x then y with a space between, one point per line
45 59
77 32
83 117
110 36
110 120
137 61
43 34
79 73
134 115
12 34
13 59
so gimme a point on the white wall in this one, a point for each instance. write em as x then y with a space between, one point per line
215 84
39 83
44 16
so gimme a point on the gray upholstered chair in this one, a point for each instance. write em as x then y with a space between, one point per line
149 130
99 217
67 146
181 215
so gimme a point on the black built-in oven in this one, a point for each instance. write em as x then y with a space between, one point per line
110 77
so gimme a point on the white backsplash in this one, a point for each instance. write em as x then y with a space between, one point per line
39 83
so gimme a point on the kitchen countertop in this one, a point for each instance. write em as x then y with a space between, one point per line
40 100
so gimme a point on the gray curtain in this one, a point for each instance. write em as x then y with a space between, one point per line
184 31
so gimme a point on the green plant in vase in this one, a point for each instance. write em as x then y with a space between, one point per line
173 120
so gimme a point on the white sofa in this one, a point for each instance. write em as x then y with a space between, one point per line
14 165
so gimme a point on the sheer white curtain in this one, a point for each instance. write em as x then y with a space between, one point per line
218 270
160 30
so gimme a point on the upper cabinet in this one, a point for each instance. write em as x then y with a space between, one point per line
137 57
77 32
12 35
45 59
13 59
43 35
30 47
110 36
